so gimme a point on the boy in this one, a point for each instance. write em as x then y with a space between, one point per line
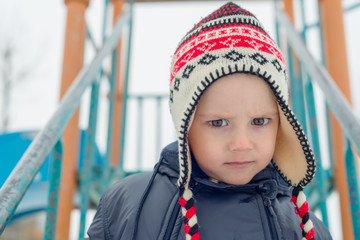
239 147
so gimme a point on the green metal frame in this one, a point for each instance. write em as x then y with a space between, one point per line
303 96
353 184
21 177
90 191
352 7
86 174
341 109
53 197
140 99
319 186
120 168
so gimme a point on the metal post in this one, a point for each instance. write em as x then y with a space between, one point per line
353 184
158 128
320 179
336 63
118 92
127 73
115 108
54 185
86 174
140 133
320 182
72 64
295 73
106 167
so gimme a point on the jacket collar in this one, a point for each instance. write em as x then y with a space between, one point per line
170 167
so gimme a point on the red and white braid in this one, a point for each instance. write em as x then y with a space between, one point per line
188 210
302 210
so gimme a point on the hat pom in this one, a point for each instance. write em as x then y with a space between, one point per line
302 210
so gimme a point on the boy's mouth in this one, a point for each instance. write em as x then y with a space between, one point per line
239 164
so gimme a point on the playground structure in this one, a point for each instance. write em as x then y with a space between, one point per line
92 174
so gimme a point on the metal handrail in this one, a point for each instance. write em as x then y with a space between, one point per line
336 100
352 7
340 107
22 175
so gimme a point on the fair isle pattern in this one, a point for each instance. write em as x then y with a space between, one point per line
225 15
230 40
302 210
230 37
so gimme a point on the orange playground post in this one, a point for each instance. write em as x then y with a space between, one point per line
336 63
72 64
119 93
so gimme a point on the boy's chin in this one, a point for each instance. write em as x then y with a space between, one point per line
236 181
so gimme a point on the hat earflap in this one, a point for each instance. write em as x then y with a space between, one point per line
302 210
186 199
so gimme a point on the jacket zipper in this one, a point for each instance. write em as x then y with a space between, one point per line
271 219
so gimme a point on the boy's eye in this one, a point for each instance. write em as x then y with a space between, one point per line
218 123
259 121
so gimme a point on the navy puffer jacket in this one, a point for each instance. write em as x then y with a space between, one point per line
145 207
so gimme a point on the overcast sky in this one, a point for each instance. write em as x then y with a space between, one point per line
35 30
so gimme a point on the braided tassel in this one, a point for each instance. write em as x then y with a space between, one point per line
188 210
302 210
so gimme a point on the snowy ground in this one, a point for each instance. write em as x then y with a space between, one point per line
34 30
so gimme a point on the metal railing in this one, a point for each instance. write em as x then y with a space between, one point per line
341 109
23 174
157 116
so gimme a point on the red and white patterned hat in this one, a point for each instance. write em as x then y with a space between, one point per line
232 40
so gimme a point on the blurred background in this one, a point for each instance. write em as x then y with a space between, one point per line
123 120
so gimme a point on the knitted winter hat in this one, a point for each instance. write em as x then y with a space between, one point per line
232 40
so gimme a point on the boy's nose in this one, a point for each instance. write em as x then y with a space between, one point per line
240 141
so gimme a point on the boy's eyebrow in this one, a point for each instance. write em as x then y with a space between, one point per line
266 115
227 115
272 113
214 115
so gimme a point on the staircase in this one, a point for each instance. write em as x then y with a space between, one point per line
318 100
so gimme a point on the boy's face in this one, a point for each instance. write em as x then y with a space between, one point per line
234 129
